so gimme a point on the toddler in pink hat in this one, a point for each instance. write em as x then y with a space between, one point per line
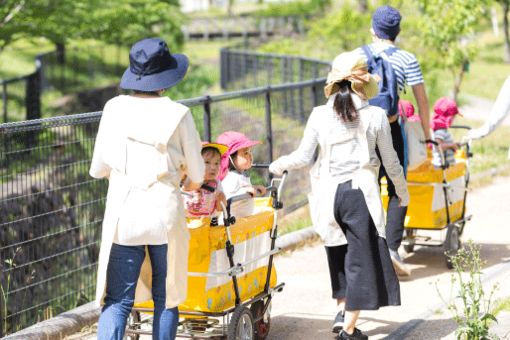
234 166
445 110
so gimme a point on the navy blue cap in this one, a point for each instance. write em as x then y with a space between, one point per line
152 67
386 22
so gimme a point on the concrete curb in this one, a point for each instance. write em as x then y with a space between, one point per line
61 325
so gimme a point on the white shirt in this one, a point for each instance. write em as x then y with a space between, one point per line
236 183
346 153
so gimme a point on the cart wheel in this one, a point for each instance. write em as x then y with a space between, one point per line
263 325
410 234
133 322
241 325
451 244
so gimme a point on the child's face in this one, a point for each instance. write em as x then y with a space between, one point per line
212 164
244 159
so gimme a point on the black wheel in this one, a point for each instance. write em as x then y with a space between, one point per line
410 238
241 326
452 244
262 325
133 322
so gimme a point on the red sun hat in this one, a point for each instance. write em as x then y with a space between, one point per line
235 141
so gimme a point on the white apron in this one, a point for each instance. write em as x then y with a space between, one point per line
324 184
161 185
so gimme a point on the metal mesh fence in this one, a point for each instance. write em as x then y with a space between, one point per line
51 210
241 69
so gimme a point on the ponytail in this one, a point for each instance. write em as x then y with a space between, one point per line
343 105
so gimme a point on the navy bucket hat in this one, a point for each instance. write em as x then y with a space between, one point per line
386 22
152 67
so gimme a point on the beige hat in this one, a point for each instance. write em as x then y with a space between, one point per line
351 66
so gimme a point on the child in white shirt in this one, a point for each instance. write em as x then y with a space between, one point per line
234 166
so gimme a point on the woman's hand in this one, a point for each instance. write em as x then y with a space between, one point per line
276 169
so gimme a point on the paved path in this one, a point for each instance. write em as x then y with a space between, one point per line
305 310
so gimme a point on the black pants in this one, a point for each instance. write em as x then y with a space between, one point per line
361 271
395 215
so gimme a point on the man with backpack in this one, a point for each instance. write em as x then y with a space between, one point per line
396 68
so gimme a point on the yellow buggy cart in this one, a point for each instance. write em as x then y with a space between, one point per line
231 276
438 202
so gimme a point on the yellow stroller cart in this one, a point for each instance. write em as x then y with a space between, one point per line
231 276
438 202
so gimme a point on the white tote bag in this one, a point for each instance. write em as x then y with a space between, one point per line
416 146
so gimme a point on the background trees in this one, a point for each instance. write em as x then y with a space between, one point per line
112 21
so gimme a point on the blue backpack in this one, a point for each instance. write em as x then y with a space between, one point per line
388 86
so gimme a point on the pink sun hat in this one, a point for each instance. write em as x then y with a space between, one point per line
405 107
235 141
444 110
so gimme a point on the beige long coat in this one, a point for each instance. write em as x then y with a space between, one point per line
143 146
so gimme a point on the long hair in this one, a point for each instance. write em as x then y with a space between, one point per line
343 105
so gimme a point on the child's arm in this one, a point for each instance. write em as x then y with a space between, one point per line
259 190
446 146
220 198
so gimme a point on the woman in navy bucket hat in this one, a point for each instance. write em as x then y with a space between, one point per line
145 144
152 67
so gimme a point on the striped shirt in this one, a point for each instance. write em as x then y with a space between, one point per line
406 66
449 154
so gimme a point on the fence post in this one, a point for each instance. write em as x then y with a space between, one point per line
33 94
269 127
5 100
284 78
223 68
207 119
3 313
290 65
301 104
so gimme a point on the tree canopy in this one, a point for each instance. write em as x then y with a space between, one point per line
112 21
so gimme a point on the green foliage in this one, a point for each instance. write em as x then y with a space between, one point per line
343 30
309 7
447 28
113 21
338 31
472 307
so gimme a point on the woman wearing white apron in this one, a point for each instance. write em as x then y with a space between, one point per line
144 144
345 201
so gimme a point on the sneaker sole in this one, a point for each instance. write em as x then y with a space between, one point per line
336 329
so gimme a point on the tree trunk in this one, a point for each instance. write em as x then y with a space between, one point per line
61 53
458 80
506 8
363 6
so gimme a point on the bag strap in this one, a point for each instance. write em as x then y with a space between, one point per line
368 53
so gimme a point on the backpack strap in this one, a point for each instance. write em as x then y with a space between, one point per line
368 53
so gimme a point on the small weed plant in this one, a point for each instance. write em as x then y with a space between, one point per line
472 306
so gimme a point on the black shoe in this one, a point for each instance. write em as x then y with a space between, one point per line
338 324
356 335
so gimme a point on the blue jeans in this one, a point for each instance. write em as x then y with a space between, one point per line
121 278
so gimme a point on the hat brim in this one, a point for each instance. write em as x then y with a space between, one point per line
246 144
157 81
366 90
220 147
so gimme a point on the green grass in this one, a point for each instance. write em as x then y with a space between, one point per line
489 152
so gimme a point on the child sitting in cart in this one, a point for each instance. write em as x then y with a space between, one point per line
445 110
206 201
234 166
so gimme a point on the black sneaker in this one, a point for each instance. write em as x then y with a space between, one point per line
356 335
338 324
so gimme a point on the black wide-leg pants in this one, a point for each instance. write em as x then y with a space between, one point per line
361 271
